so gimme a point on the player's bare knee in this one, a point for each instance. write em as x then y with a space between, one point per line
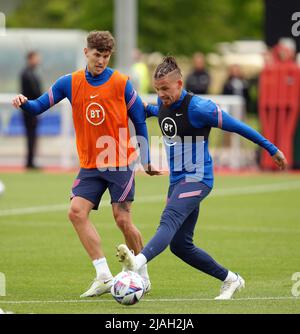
123 223
76 215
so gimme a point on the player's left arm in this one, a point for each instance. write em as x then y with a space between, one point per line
137 114
207 113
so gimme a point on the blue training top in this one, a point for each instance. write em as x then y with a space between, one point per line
205 113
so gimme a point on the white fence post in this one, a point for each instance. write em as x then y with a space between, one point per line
67 137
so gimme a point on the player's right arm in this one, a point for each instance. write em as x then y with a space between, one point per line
56 93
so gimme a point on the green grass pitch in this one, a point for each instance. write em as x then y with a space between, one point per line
249 223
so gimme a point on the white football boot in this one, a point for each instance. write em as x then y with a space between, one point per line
147 285
98 288
127 258
229 287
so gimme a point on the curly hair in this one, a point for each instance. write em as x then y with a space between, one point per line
102 41
168 65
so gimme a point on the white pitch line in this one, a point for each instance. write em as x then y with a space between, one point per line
34 209
144 300
262 188
250 229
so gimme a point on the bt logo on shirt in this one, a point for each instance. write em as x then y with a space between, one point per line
95 113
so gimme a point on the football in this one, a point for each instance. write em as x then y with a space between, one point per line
127 288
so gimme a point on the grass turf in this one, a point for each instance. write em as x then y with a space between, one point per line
251 229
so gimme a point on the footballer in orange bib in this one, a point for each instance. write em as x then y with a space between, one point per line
103 100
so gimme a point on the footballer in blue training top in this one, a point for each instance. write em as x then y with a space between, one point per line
185 121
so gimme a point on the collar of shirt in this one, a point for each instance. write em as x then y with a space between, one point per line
176 104
98 79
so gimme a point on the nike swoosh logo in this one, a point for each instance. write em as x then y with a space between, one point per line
93 96
179 114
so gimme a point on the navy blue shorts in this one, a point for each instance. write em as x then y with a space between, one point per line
92 183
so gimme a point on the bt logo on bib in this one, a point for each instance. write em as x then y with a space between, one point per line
95 113
169 127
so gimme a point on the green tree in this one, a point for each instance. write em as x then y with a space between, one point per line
73 14
168 26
